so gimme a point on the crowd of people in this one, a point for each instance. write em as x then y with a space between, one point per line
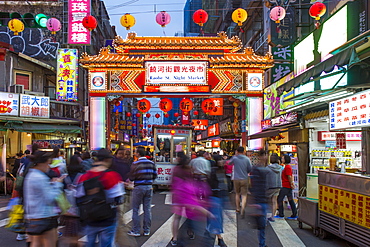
99 187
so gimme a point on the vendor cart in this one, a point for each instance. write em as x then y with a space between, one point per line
168 141
308 213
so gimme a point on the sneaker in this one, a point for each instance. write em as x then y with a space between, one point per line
191 235
134 234
270 219
278 217
221 243
292 218
146 233
60 234
21 237
173 242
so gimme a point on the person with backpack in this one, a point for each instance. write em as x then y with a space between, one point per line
99 191
143 173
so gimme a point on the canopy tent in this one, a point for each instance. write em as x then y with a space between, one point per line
144 143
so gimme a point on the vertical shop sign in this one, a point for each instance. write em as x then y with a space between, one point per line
34 106
135 121
283 66
185 118
340 139
9 104
218 109
77 33
284 33
67 74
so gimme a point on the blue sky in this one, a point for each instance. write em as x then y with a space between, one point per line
144 12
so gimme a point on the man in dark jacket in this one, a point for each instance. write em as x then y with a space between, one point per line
143 173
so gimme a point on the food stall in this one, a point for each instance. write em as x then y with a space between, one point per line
168 141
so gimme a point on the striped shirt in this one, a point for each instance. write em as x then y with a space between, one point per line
143 172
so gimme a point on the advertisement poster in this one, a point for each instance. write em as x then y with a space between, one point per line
77 33
164 174
98 80
9 104
34 106
67 74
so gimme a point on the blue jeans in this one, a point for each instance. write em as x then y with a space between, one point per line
288 193
261 224
142 194
105 234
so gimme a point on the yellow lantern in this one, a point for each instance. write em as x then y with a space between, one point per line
127 21
239 16
16 26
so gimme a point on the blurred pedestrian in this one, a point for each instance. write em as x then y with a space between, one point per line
258 190
40 201
242 166
287 182
87 161
58 165
273 184
201 167
143 173
17 164
228 167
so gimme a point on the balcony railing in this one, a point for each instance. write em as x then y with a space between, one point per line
66 110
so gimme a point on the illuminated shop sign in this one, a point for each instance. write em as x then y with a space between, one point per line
48 143
97 80
126 137
216 143
176 73
9 104
255 82
225 127
350 112
266 124
77 33
168 131
67 74
34 106
213 130
199 124
331 136
287 118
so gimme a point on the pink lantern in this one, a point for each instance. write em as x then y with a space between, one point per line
163 18
277 14
53 25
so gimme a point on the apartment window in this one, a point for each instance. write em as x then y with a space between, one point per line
23 78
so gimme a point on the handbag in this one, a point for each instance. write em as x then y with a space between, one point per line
63 203
39 226
16 219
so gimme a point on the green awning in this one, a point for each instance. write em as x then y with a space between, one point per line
345 57
42 128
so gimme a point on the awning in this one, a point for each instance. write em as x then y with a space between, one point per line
263 134
345 57
42 128
144 143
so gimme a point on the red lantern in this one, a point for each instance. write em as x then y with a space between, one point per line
176 114
186 105
165 105
89 22
117 103
134 124
196 113
207 105
138 115
166 115
200 17
149 125
317 10
144 105
128 114
157 115
192 123
141 125
148 115
198 122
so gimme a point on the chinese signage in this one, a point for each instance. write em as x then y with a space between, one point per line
283 57
350 112
216 143
255 82
135 121
164 173
280 70
98 80
34 106
199 124
225 127
213 130
287 118
9 104
67 74
288 148
77 33
177 131
176 73
218 109
285 30
49 143
125 125
126 137
331 136
266 124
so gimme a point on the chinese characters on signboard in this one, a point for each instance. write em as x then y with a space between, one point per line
199 124
213 130
164 173
331 136
350 112
9 104
176 73
218 107
67 74
283 33
283 57
49 143
34 106
98 80
77 33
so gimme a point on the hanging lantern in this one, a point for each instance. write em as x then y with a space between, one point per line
149 125
317 10
117 103
186 105
16 26
208 105
138 115
128 21
163 18
157 115
143 105
128 114
165 105
141 125
148 115
53 25
277 14
89 22
176 114
195 113
166 115
134 124
200 17
239 16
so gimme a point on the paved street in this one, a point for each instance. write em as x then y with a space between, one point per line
238 232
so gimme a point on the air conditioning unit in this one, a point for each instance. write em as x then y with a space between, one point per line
51 92
17 88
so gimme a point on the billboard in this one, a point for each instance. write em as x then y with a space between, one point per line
9 104
77 33
34 106
67 74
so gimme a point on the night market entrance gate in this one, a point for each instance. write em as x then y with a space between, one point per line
160 67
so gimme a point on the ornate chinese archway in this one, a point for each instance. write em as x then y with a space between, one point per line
152 66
